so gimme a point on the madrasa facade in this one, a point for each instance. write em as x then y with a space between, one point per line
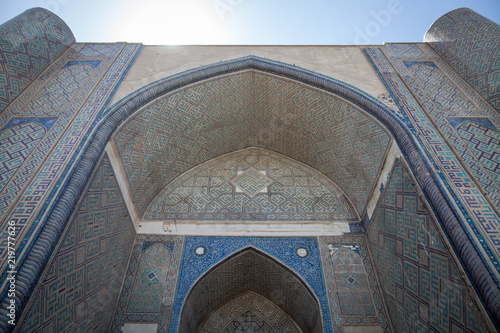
249 188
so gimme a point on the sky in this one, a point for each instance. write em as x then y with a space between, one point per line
250 22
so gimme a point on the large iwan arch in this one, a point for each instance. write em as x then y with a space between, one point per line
124 112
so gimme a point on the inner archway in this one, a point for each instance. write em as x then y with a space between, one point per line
251 270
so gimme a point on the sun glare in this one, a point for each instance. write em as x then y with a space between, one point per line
171 23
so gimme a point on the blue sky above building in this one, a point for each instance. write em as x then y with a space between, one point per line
254 22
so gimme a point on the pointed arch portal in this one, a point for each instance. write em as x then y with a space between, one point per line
271 283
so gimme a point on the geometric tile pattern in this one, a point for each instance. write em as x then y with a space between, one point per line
250 322
251 184
95 50
470 44
16 143
249 313
275 258
423 286
444 94
353 291
323 131
351 280
51 101
149 287
192 125
148 284
449 101
79 287
74 88
28 44
62 89
431 94
484 143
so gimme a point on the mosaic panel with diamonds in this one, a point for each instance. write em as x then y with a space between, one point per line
149 287
354 295
422 286
82 281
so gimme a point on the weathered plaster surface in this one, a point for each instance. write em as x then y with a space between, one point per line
344 63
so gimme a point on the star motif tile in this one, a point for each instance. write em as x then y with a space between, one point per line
252 182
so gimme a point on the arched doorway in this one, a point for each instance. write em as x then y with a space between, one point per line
240 286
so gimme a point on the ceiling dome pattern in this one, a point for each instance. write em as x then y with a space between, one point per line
252 184
192 125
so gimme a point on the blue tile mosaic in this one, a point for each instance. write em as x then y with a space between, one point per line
470 43
81 283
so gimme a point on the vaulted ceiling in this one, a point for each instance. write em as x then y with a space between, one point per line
195 124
